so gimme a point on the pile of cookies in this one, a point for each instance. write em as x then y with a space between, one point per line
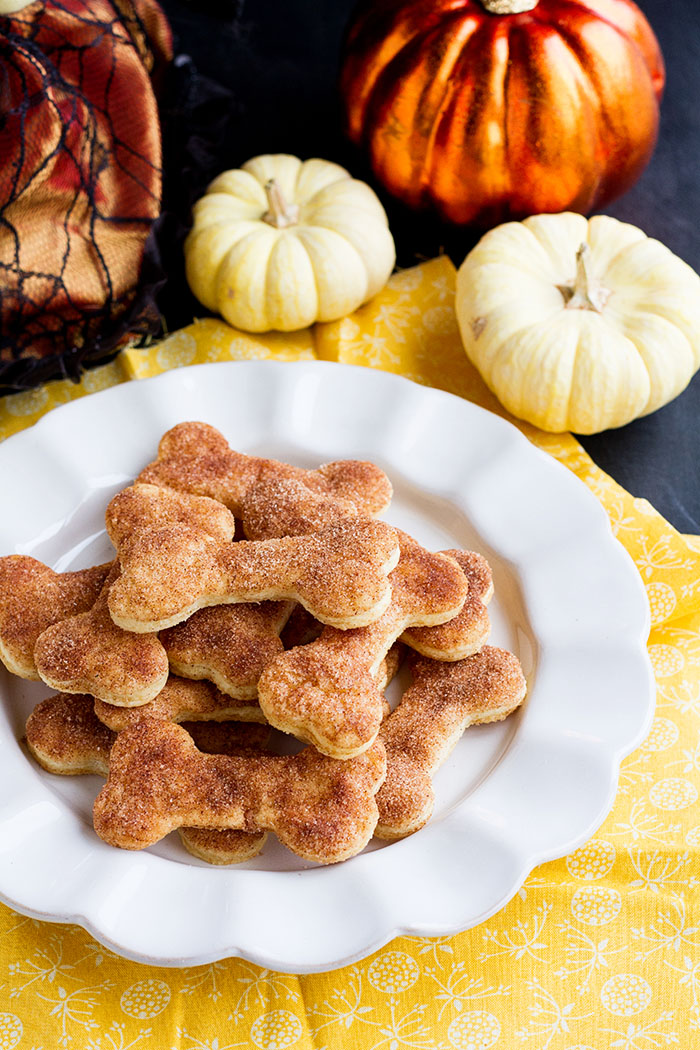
246 594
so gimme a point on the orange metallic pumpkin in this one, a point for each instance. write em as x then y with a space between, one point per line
547 106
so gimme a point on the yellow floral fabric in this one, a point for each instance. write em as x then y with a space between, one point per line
599 949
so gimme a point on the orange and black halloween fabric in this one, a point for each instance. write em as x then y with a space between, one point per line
80 178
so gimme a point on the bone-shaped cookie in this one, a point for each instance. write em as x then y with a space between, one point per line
276 507
225 845
182 700
195 457
32 598
444 699
187 700
65 737
325 692
230 645
88 653
322 810
469 629
339 574
229 846
140 507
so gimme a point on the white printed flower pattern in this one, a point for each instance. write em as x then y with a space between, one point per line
475 1030
626 994
145 999
592 861
393 972
673 793
666 660
11 1030
276 1030
596 905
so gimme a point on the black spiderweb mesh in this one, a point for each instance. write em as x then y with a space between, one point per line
80 183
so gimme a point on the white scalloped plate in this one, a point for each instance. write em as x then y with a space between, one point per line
568 602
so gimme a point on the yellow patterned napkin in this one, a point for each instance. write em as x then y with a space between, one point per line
598 949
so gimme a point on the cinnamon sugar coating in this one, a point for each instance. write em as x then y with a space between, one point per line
200 703
32 598
444 699
182 700
323 810
231 645
140 507
469 629
276 507
65 737
338 574
88 653
228 845
195 457
325 692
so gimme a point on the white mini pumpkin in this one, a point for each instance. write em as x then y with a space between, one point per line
579 325
281 243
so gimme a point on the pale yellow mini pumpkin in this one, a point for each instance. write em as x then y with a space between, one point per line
281 243
579 325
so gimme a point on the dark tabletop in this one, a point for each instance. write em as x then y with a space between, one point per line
278 59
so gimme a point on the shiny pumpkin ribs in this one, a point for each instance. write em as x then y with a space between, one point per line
492 116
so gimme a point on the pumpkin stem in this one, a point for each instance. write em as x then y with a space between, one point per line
508 7
585 293
280 213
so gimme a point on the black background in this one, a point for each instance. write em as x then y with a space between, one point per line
277 62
